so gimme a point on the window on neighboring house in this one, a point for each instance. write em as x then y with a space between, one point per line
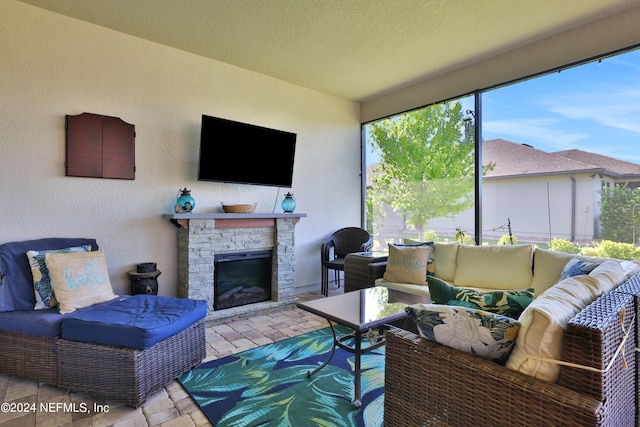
559 154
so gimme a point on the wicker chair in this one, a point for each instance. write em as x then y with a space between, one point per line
335 249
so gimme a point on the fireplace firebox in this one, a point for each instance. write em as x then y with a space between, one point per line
241 278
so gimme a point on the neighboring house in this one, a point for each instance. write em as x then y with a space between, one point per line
543 195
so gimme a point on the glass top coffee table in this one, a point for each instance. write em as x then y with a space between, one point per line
362 311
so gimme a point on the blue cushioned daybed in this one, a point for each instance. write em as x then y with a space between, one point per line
123 348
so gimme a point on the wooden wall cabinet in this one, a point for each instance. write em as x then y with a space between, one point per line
100 147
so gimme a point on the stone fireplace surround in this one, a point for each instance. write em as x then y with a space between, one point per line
201 236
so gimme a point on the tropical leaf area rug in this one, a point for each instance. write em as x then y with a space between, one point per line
269 386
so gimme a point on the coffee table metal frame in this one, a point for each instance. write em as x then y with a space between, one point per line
332 309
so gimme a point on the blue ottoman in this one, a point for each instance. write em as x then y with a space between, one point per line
131 347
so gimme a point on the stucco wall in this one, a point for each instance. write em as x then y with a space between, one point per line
540 209
52 66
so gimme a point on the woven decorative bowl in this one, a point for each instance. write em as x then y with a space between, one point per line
239 208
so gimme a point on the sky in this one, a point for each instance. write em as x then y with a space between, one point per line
593 107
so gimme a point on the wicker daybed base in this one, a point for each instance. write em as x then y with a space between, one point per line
29 356
106 372
129 375
427 384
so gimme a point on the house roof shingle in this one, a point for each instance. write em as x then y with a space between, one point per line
614 166
513 159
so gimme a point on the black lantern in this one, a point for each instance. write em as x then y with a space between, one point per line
145 279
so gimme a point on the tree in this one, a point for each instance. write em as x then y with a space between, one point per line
619 208
427 164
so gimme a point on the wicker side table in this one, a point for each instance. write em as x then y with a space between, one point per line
356 269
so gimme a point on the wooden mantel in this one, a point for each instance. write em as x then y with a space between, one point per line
232 220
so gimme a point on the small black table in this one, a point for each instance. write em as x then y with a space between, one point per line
363 311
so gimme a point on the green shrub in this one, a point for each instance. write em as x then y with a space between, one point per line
430 236
591 251
506 240
563 245
468 240
618 250
610 249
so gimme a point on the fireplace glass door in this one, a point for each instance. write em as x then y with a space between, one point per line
241 278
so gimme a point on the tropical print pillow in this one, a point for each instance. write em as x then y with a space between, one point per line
488 335
40 273
509 303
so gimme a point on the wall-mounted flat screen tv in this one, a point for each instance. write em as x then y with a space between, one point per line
242 153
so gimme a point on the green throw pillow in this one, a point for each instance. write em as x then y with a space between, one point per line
509 303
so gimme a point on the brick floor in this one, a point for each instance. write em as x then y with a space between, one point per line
170 407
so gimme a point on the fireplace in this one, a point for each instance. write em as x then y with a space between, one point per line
241 278
203 237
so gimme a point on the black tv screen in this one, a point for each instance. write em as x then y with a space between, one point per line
243 153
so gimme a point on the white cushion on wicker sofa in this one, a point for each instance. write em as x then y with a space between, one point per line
495 267
421 290
544 321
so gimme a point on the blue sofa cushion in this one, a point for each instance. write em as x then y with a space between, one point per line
44 323
137 321
16 282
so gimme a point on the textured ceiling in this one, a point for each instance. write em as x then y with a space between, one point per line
356 49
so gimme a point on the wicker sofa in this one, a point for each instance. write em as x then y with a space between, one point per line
427 383
124 349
